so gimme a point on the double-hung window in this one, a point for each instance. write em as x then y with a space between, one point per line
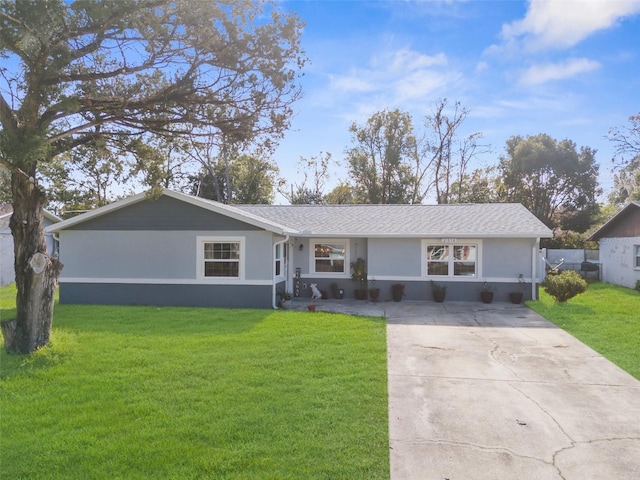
636 251
451 259
330 257
278 269
220 258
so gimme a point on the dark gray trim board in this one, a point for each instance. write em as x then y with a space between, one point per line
421 289
228 296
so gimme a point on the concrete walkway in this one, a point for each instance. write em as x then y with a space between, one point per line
497 392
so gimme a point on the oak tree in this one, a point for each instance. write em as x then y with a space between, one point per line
557 182
74 72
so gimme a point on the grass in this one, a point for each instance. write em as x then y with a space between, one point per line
606 317
145 392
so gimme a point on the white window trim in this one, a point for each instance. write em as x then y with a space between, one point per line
200 241
463 241
636 256
312 258
282 276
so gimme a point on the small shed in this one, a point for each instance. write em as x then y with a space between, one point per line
620 247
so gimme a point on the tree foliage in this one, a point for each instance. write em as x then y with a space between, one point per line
85 71
627 142
246 179
380 161
391 163
557 183
444 155
626 183
311 191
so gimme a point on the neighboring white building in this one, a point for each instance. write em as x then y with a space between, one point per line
7 270
620 247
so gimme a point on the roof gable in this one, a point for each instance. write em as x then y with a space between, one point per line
625 223
175 211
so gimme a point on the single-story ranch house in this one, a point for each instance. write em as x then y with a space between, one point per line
183 250
620 247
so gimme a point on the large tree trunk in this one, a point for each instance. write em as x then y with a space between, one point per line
36 272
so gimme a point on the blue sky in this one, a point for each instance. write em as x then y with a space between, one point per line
567 68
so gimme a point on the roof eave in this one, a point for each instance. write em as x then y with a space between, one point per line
423 235
597 234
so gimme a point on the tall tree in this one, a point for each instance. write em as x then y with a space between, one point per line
380 162
443 155
74 72
479 186
557 183
626 183
340 195
310 191
247 179
627 142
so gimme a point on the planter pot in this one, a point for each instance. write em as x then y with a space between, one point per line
486 297
374 293
360 294
438 296
515 297
311 308
396 297
341 294
285 304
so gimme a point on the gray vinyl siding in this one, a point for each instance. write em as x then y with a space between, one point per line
394 257
153 254
225 296
507 257
502 258
165 213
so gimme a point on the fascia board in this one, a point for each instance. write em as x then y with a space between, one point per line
424 235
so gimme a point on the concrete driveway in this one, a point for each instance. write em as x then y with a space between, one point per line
497 392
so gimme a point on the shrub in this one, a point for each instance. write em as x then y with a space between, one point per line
638 285
565 285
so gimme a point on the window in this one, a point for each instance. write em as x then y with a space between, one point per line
278 260
330 256
220 258
637 256
459 260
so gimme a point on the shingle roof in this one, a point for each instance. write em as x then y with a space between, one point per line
460 220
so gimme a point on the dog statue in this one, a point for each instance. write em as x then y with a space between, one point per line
315 293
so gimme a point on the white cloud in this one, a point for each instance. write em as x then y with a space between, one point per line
353 83
542 73
395 78
553 24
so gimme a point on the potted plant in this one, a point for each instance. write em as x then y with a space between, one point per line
397 291
486 294
336 291
285 298
439 291
516 296
359 275
374 293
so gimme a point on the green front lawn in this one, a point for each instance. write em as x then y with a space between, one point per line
605 317
142 392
